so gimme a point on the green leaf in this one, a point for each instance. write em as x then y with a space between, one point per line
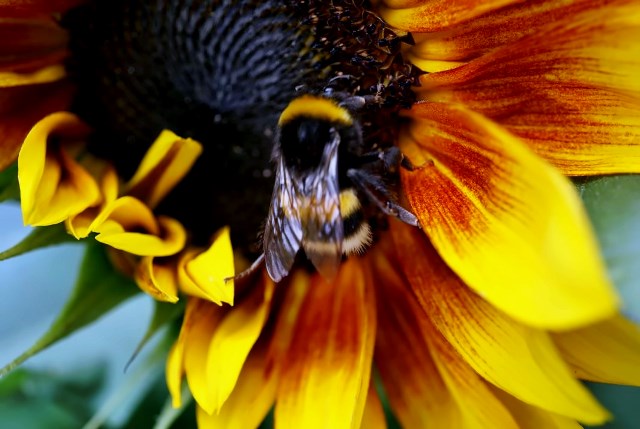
613 204
9 188
132 394
39 237
99 289
163 314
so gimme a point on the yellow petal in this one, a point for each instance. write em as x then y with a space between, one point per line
158 280
326 377
569 90
232 341
164 165
530 417
170 239
251 399
53 186
205 275
174 369
607 352
512 227
434 15
44 75
520 360
199 332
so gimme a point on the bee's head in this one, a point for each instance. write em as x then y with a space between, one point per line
306 126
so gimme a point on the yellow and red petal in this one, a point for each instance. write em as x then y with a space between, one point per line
35 8
435 15
30 45
569 90
373 416
231 343
209 274
159 280
510 225
328 363
520 360
53 186
607 352
166 162
487 32
414 387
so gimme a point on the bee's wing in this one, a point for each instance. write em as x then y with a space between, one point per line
283 231
322 222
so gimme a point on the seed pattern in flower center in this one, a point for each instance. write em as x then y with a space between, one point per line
221 72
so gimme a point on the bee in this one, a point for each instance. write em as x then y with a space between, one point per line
322 173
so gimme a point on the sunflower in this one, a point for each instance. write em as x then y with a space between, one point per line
149 127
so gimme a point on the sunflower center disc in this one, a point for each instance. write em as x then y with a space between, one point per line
221 72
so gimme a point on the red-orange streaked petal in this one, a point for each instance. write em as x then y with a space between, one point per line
607 352
510 225
416 392
53 185
159 280
251 399
35 8
435 15
166 162
328 364
21 108
27 45
493 30
520 360
569 90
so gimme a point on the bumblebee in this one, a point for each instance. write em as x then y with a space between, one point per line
322 174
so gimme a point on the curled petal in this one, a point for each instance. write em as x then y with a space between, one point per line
607 352
511 226
44 75
164 165
570 90
231 343
169 239
86 222
53 186
435 15
522 361
209 274
157 279
326 379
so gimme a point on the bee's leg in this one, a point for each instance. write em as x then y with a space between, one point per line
375 189
394 158
249 271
